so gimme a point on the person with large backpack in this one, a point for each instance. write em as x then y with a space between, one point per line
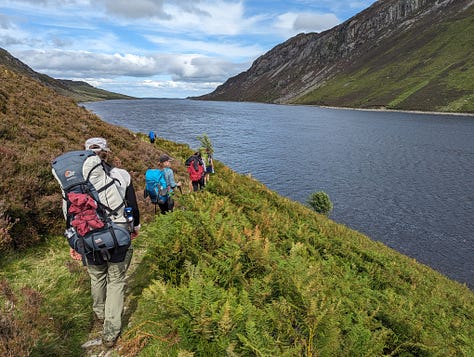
195 167
156 189
171 184
102 216
209 163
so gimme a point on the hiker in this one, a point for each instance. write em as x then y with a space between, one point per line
152 136
196 171
171 184
108 277
209 163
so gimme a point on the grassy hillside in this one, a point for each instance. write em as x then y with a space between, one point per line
79 91
429 70
236 270
84 92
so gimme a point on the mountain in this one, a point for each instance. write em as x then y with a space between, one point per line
397 54
79 91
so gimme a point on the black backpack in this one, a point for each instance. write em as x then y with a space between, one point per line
93 205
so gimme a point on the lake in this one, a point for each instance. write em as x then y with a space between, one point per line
405 179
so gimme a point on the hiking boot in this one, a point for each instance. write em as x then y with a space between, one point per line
109 343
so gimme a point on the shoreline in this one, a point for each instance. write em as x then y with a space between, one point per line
394 110
343 108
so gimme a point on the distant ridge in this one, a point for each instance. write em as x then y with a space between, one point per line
397 54
77 90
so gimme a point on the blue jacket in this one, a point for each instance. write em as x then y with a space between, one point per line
169 178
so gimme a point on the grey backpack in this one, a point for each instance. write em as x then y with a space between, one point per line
92 204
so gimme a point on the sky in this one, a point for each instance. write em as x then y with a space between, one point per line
158 48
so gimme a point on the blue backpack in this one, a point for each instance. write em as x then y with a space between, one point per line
152 136
156 187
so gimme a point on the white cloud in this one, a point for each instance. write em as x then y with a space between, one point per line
213 17
135 9
85 64
197 68
209 17
10 34
5 22
222 49
156 87
82 64
51 3
306 22
166 84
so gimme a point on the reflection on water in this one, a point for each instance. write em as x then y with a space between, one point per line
404 179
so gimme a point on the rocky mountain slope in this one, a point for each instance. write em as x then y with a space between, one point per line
398 54
79 91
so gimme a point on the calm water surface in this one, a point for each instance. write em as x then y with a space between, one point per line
403 179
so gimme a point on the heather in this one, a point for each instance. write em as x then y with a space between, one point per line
236 270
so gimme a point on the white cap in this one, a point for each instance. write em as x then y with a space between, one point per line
96 144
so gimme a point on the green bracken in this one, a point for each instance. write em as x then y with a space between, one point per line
242 271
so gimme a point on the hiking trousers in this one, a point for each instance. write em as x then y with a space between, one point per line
108 291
